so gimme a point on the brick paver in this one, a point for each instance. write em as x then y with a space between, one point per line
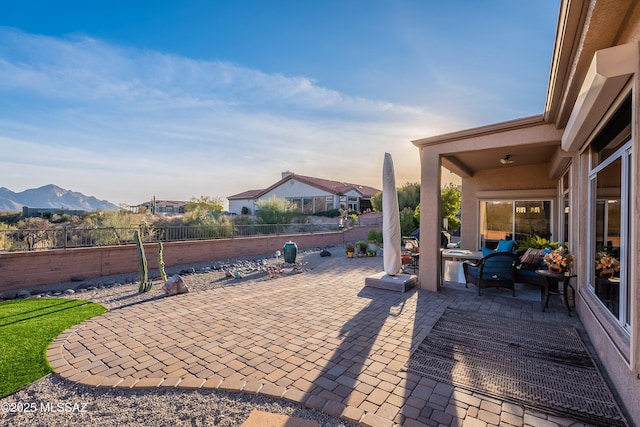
318 338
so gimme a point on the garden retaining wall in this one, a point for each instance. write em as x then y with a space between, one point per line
26 270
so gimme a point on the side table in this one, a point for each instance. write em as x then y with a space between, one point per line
556 284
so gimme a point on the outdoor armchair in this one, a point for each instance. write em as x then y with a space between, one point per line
497 269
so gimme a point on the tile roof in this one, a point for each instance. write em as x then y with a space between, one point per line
330 186
249 194
336 187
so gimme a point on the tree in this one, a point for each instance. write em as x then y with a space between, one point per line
450 199
407 221
205 203
409 195
203 211
274 211
35 232
376 202
117 226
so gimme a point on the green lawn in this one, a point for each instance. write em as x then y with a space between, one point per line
27 327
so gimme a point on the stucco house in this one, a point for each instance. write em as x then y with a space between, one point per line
163 207
309 195
570 173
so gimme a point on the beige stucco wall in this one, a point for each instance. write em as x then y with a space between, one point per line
525 182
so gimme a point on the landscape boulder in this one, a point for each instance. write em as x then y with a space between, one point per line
175 285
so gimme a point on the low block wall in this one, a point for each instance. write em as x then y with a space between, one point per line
26 270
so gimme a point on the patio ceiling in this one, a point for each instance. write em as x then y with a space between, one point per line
467 163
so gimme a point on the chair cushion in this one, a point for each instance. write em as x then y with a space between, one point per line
506 246
498 268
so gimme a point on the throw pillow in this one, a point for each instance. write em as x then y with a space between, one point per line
487 251
532 259
505 246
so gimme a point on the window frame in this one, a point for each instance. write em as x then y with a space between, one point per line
624 153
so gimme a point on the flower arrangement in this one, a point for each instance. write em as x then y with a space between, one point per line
606 264
559 259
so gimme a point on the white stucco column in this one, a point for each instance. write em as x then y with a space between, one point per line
430 219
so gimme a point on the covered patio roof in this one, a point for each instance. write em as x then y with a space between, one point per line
526 141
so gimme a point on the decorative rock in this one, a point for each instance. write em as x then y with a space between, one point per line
23 294
69 292
175 285
325 253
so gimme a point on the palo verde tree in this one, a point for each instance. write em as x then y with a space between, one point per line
275 211
203 211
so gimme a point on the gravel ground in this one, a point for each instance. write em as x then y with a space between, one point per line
53 401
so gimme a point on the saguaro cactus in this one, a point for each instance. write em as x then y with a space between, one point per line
163 274
145 284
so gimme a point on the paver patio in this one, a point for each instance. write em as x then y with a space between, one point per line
318 338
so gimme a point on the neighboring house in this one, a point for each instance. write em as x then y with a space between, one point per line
48 213
162 207
309 195
571 173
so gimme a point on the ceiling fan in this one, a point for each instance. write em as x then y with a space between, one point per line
506 160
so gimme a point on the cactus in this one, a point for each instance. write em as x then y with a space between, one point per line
145 284
163 274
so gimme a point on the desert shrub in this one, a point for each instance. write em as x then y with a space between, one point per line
274 211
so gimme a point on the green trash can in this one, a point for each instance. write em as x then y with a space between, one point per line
290 251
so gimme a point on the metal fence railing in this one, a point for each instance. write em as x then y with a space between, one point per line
69 237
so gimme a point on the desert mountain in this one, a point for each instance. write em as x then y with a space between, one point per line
51 196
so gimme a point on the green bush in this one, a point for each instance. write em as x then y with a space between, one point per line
375 236
333 213
274 211
535 242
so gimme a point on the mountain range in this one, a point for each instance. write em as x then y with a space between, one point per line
51 196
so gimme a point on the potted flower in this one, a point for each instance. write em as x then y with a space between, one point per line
559 260
606 264
350 250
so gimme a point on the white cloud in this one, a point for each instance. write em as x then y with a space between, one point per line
125 124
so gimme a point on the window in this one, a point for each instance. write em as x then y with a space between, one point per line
307 205
353 203
513 220
610 179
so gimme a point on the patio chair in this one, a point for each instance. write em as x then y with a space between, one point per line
497 269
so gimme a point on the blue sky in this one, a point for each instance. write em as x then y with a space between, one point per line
125 100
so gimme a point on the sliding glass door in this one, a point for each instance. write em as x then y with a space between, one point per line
513 220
